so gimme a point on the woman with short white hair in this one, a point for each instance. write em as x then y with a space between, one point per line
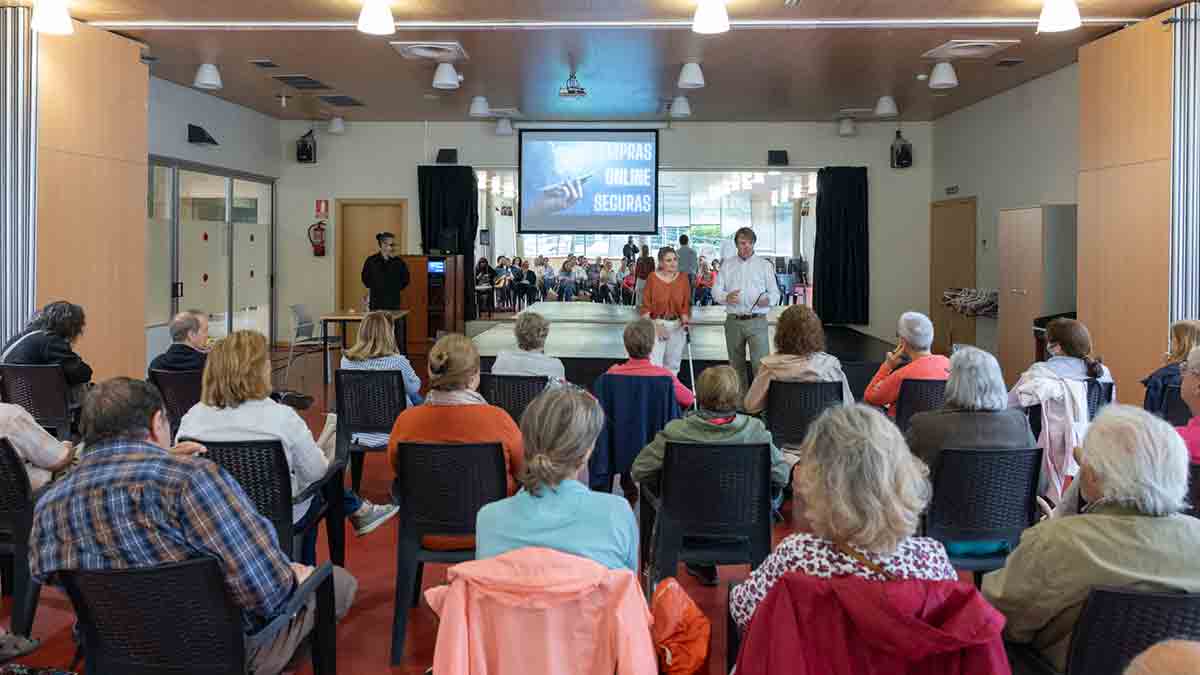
1130 533
915 332
863 493
531 330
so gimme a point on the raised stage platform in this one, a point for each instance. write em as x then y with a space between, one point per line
594 312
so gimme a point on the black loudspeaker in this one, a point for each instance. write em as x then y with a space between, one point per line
777 158
306 149
199 135
447 156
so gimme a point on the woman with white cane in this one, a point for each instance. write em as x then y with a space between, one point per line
667 301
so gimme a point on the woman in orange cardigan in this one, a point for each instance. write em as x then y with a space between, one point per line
454 412
667 301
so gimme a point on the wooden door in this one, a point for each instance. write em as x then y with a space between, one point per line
358 221
951 265
1020 236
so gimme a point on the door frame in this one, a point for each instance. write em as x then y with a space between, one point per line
935 296
339 206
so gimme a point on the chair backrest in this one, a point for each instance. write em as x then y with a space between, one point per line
717 490
858 375
440 488
1194 490
1174 409
368 401
792 406
174 618
514 393
41 390
918 396
180 391
261 469
16 503
1117 624
984 494
302 321
1099 394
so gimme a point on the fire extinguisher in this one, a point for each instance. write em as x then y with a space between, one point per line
316 237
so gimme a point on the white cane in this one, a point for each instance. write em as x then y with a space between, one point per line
687 333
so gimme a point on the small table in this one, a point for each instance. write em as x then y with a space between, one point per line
399 318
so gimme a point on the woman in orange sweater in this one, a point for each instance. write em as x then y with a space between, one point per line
454 412
667 301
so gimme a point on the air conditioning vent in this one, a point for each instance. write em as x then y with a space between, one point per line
342 101
969 49
442 52
264 63
302 82
1009 63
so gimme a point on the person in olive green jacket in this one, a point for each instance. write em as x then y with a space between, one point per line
719 393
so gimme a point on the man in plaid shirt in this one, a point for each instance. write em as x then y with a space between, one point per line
130 503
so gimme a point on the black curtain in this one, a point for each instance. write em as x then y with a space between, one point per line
449 207
841 256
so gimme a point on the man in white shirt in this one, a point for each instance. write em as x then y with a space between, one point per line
747 287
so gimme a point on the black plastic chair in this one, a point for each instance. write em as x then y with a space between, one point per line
1174 409
514 393
43 392
261 469
918 396
983 495
16 520
858 375
368 402
1194 490
714 507
1099 394
439 489
179 618
792 406
180 391
1117 624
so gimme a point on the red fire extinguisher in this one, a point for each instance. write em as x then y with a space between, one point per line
316 237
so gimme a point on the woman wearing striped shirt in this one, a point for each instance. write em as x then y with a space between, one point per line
375 349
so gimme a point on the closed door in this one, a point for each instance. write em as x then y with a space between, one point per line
951 265
358 223
1020 233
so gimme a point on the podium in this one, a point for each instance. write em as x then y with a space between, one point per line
435 299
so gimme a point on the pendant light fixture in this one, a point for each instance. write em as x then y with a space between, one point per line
207 77
50 17
680 107
710 18
376 18
479 107
846 128
943 76
446 77
886 107
337 126
690 76
504 127
1058 16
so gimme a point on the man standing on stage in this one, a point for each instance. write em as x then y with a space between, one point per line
748 289
630 251
385 274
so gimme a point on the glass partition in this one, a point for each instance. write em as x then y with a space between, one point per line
252 256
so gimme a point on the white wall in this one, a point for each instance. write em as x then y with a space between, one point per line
380 159
248 140
1018 148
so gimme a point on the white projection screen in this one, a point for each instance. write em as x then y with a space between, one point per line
588 181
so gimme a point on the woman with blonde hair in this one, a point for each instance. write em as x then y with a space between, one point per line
375 349
863 493
553 509
455 413
1185 335
235 405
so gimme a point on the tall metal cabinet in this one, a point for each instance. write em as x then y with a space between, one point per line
1037 277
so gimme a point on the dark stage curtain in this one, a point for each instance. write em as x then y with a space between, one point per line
449 207
841 277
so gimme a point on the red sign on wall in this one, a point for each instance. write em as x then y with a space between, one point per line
322 209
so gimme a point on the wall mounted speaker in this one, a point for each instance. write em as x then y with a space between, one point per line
447 156
198 135
777 158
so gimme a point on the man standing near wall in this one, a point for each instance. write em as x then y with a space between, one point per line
687 260
747 287
384 274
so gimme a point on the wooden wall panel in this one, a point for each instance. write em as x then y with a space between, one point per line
92 178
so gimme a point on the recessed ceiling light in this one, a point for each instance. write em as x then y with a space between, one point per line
1058 16
710 18
376 18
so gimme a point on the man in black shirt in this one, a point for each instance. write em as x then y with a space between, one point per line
189 343
385 274
630 251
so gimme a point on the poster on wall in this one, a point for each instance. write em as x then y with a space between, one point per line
321 210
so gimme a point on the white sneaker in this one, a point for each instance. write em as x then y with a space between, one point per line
370 516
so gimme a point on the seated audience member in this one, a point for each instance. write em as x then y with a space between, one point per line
531 330
42 453
566 280
1169 657
579 273
704 283
915 331
799 357
485 275
1059 386
639 342
235 406
863 493
131 504
718 391
454 412
49 339
189 343
546 276
1185 335
526 287
375 349
1189 390
553 509
606 285
1132 533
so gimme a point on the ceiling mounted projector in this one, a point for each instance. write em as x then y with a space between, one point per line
572 88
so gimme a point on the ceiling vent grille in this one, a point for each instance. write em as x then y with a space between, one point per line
1009 63
342 101
969 49
442 52
264 63
302 82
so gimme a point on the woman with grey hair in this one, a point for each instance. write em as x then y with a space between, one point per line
553 509
531 330
915 332
863 493
1131 533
